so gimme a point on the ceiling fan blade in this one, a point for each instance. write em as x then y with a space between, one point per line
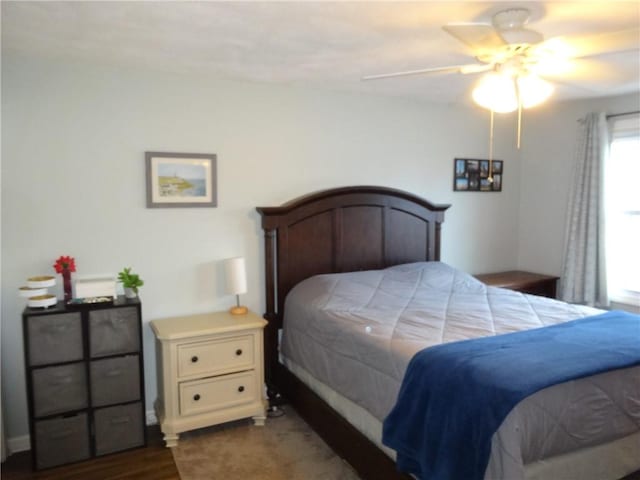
599 44
470 68
480 37
476 68
591 74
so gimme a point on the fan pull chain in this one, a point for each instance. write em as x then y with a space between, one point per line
519 113
490 178
519 123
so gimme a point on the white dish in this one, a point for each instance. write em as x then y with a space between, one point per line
43 301
32 292
41 281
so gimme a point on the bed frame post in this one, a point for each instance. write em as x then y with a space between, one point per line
438 227
271 331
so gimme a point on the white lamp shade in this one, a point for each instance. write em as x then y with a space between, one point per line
496 92
235 275
533 90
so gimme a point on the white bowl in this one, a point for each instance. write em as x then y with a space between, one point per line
41 281
32 292
43 301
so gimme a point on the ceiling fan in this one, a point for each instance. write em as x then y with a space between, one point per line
515 58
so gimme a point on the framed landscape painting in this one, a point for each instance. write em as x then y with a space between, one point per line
181 179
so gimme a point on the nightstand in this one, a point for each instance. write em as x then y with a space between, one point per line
525 282
210 370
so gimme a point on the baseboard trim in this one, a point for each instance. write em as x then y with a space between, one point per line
23 442
152 419
18 444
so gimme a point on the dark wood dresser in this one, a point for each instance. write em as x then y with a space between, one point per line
525 282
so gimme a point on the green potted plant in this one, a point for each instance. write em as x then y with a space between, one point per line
130 281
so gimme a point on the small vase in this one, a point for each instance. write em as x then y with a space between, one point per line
66 284
130 292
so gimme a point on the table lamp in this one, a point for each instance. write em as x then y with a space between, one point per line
236 277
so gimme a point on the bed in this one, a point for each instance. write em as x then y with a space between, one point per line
364 229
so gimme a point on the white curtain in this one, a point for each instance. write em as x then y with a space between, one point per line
584 270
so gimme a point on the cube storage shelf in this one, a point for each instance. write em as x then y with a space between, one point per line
85 380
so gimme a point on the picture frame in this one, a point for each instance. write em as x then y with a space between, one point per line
477 175
181 180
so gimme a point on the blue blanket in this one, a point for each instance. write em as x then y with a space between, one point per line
455 396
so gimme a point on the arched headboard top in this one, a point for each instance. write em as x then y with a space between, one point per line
345 229
315 198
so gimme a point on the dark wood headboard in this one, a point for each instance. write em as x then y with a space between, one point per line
340 230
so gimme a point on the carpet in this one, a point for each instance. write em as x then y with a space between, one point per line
286 448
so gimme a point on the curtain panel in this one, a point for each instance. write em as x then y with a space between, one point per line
584 269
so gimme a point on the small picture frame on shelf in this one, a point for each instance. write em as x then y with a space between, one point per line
476 175
181 180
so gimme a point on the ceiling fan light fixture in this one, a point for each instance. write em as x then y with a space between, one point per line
510 24
533 90
521 36
496 92
510 18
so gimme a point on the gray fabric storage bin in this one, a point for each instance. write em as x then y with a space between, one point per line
118 428
61 440
115 380
59 389
113 331
55 338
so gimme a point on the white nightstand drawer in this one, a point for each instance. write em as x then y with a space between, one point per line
199 396
216 356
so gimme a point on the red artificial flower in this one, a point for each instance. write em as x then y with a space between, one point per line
65 264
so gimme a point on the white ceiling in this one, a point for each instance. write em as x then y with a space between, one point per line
317 44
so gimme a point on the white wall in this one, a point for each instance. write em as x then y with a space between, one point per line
547 158
73 143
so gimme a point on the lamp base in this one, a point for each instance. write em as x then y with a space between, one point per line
238 310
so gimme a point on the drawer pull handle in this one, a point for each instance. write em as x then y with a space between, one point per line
194 359
241 389
196 397
239 352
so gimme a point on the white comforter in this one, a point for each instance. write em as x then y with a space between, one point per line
356 332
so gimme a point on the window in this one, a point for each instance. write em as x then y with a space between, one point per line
622 205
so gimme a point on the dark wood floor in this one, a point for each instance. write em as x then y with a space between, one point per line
153 462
